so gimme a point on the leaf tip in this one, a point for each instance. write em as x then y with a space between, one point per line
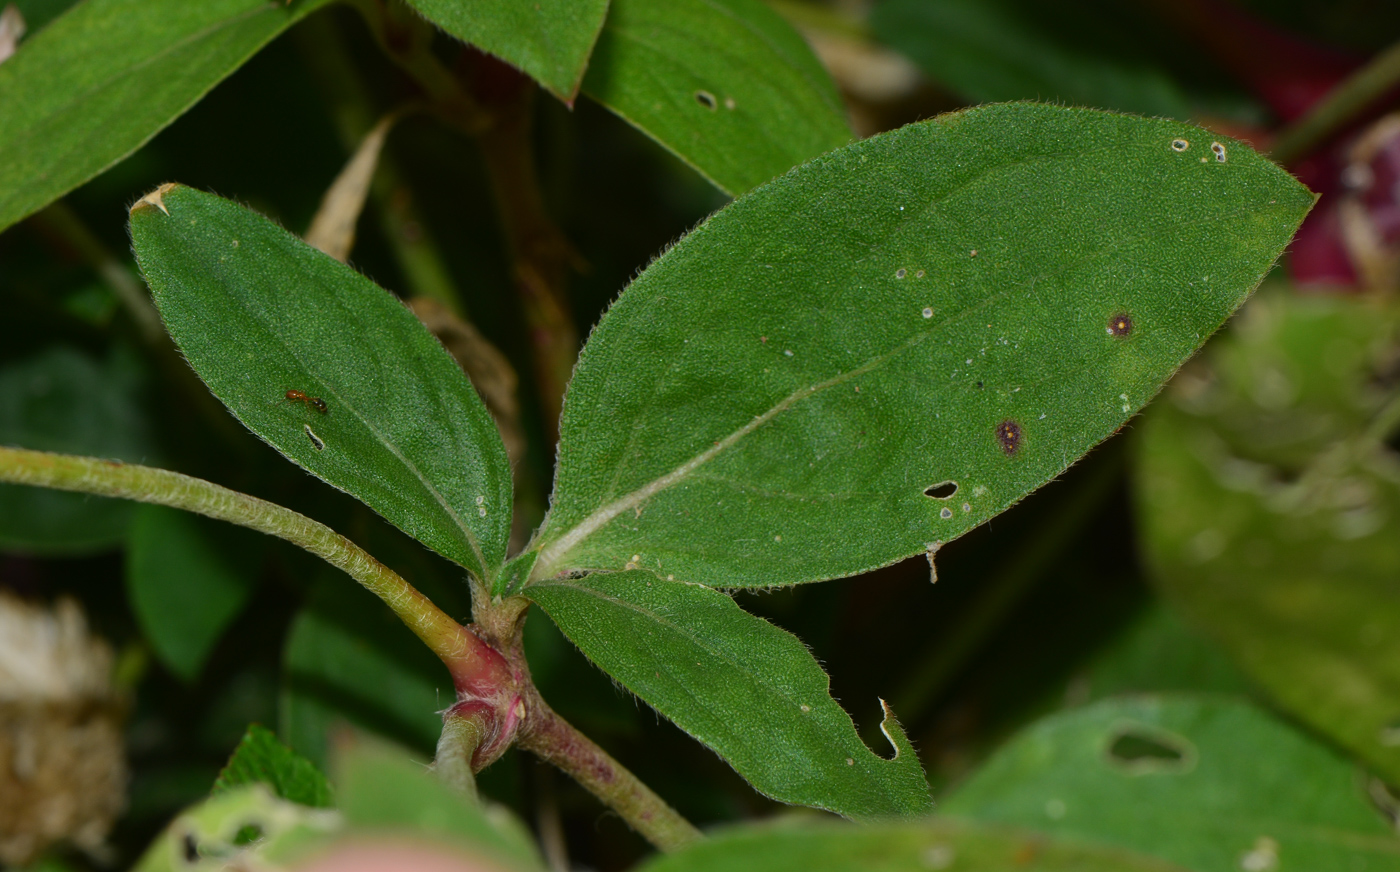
155 198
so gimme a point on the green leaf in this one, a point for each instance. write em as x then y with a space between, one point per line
347 659
935 844
1208 783
755 694
63 400
378 789
259 314
187 578
726 85
104 78
213 835
933 307
1270 510
1157 652
994 50
548 40
261 759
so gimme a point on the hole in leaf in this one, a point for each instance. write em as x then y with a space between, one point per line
1131 747
706 99
249 834
191 848
942 491
1139 749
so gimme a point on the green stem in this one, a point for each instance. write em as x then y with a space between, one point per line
456 747
1339 107
470 660
556 741
1000 593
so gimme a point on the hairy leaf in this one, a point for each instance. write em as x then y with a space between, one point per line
755 694
105 77
261 759
549 40
935 844
890 345
330 369
187 578
727 85
63 400
1270 507
1209 783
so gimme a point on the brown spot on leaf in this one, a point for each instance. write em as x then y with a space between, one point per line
1009 436
1120 324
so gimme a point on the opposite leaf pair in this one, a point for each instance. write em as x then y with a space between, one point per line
857 362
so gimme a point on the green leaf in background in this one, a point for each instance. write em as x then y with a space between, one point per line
549 40
935 844
348 660
38 13
726 85
261 759
881 350
187 578
379 791
1210 783
330 369
994 50
214 836
63 400
1270 509
755 694
104 78
1157 652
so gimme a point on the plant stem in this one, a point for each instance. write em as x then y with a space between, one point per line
471 661
1000 593
497 111
353 112
1340 107
456 747
556 741
541 255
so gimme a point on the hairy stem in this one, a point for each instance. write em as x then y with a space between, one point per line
461 736
472 662
556 741
1340 107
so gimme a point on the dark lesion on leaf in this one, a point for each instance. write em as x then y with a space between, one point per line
1009 436
1120 324
944 490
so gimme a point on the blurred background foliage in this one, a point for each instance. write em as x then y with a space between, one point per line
1240 540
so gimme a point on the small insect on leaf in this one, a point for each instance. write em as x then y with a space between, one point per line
296 396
